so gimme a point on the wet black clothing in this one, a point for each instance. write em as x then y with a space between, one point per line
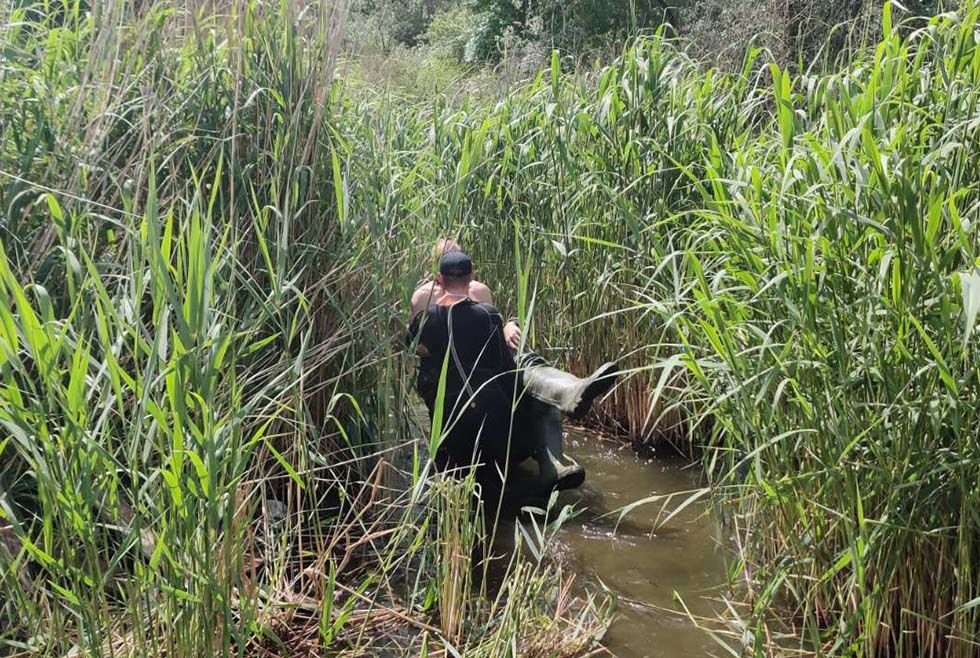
482 382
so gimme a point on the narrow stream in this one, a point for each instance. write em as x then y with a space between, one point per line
642 568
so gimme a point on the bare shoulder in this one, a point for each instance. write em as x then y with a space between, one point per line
480 292
427 289
425 294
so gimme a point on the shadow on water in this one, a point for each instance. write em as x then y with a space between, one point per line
642 564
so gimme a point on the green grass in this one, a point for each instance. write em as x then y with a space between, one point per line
209 240
202 386
787 262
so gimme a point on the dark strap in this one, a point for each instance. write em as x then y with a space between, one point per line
456 360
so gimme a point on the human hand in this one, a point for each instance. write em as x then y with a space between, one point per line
512 335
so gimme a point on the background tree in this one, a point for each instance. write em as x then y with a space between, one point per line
475 32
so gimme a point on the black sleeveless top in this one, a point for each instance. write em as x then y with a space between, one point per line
476 332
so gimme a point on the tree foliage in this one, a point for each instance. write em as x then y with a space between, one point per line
481 31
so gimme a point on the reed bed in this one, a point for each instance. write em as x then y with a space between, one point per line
202 394
209 236
787 262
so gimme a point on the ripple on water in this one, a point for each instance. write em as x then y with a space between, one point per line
641 563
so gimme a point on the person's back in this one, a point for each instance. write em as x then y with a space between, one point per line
470 334
480 379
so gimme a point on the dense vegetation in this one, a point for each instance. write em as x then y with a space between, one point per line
479 31
208 241
186 312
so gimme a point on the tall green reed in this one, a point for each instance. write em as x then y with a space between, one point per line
786 264
839 351
202 377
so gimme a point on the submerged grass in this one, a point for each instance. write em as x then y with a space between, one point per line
205 237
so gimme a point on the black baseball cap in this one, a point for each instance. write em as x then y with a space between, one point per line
455 264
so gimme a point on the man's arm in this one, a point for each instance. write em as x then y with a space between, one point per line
512 334
412 335
505 356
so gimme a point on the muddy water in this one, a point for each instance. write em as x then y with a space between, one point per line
641 563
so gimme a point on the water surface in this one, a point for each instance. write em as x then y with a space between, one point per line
641 566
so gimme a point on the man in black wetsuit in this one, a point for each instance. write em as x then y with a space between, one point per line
488 419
